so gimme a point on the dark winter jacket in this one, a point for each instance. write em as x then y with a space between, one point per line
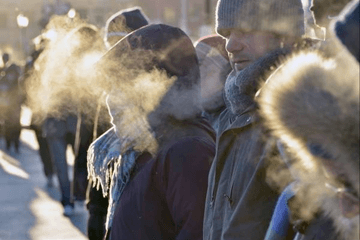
11 97
166 194
164 197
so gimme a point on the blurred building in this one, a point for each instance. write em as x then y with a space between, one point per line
196 17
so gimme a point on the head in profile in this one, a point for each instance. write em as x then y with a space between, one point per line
156 79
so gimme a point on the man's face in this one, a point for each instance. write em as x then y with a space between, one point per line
245 47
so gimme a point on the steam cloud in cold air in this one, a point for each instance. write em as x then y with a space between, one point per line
74 73
64 79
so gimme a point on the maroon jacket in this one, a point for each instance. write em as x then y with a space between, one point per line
166 194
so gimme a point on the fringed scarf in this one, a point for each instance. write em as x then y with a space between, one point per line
110 165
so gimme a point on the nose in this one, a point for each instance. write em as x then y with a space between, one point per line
234 43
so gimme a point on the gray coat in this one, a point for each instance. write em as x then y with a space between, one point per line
239 202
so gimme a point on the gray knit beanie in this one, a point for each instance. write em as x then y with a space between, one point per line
284 17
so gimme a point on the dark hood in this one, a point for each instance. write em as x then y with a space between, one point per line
165 49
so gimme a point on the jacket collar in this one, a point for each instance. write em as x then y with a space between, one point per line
230 121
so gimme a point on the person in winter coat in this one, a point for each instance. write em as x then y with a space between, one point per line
165 147
214 68
240 201
68 126
117 26
324 218
11 100
314 110
36 124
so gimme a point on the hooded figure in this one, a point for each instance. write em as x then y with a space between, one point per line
122 23
11 98
164 148
214 68
335 81
62 83
314 110
117 26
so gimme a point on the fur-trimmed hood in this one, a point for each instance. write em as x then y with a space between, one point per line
312 105
315 100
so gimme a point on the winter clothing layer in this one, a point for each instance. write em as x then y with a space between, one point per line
96 203
104 153
214 68
320 228
209 43
153 52
241 87
80 182
213 50
294 100
60 133
312 105
168 48
36 125
281 17
97 206
280 226
165 197
126 20
11 98
239 202
122 23
347 28
48 166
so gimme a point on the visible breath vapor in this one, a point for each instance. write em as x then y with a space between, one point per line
74 73
64 79
138 86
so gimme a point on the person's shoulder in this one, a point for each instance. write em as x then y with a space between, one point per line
191 145
187 155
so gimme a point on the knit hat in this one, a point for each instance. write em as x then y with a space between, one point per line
284 17
124 22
